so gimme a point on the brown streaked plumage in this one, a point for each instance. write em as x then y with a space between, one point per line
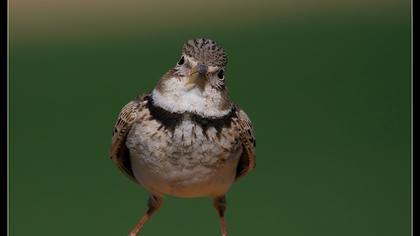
186 140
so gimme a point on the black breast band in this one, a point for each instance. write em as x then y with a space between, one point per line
170 120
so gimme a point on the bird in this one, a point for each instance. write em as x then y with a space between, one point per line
186 138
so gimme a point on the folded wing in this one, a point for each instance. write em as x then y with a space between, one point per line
119 152
247 161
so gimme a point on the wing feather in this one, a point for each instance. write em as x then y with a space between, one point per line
119 152
247 161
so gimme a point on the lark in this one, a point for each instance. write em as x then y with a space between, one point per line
186 138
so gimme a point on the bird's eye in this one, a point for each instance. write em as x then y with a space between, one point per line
221 74
181 61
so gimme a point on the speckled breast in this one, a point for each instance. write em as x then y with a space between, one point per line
183 154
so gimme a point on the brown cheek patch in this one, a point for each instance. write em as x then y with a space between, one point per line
160 87
225 103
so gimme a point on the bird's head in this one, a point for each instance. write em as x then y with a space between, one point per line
197 82
202 63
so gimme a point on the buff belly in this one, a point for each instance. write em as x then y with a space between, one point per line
184 162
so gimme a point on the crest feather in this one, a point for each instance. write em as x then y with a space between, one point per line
205 51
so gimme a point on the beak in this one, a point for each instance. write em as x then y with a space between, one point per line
198 76
199 72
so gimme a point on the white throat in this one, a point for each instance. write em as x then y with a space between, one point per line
177 98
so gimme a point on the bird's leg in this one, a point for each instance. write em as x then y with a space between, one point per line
154 203
220 204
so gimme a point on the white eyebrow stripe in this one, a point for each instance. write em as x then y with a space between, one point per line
213 68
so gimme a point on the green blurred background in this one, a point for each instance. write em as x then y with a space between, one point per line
326 84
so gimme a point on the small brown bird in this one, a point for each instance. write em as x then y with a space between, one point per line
186 138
